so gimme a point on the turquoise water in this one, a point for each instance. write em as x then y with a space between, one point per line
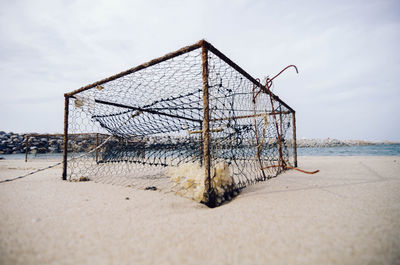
31 156
368 150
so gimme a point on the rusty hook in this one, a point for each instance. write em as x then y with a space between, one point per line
268 81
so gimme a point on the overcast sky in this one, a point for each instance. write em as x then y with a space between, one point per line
346 51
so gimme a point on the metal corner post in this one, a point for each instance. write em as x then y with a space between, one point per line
206 124
97 149
65 145
26 147
294 139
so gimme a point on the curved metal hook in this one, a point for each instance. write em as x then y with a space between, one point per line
268 81
292 65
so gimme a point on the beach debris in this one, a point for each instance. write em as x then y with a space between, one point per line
151 188
190 182
78 103
189 179
83 178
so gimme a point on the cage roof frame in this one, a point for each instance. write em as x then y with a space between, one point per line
171 55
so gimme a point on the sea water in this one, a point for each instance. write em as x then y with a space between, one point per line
51 156
365 150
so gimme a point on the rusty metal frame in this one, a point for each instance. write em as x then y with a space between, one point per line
206 126
206 47
243 72
65 145
294 139
26 146
200 44
250 116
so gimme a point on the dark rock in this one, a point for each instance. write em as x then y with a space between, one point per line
52 149
42 150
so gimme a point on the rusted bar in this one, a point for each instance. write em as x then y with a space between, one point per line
280 119
279 113
250 116
220 129
259 144
97 150
206 127
280 135
26 147
201 141
294 138
145 110
65 146
243 72
140 67
281 161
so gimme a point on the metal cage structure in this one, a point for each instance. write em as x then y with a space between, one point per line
193 107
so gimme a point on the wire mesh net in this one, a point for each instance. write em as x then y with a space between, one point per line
146 128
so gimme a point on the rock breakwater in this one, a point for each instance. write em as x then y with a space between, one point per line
14 143
329 142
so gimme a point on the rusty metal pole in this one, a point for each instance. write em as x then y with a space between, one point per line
97 150
201 141
65 146
26 147
280 119
282 160
206 127
294 138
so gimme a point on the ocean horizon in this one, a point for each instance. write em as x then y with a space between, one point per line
355 150
361 150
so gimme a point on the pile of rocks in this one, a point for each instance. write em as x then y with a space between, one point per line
14 143
329 142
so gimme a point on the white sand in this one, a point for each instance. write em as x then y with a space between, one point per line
349 213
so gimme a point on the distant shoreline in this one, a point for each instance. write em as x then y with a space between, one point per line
329 142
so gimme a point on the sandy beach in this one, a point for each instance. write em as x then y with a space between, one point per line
347 214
